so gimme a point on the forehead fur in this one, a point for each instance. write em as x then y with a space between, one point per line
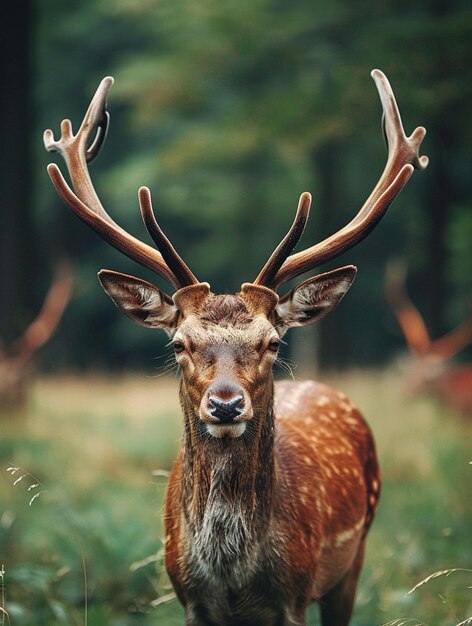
225 310
225 318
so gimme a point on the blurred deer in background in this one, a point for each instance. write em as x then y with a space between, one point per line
429 369
273 491
14 360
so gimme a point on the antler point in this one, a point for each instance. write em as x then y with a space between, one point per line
379 76
48 139
418 134
145 200
52 169
423 161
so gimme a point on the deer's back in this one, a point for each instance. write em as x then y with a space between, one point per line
328 472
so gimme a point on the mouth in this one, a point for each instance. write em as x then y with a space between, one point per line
229 431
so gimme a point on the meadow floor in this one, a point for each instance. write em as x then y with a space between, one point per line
81 503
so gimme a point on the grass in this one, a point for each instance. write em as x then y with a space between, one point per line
94 519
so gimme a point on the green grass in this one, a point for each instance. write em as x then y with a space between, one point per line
91 444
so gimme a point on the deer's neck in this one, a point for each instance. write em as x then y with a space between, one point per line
227 489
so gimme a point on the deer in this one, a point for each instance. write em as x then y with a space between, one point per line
15 359
429 369
275 485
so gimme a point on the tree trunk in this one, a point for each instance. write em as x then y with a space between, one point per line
439 198
441 193
15 172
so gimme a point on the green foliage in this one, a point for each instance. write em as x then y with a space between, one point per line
100 505
228 112
460 236
79 544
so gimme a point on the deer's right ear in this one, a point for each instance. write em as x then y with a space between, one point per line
139 300
314 298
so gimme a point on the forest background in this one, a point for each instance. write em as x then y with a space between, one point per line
228 111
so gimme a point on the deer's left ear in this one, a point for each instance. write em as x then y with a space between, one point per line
141 301
314 298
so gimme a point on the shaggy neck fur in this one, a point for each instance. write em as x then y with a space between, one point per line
227 487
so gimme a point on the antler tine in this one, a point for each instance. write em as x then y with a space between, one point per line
409 318
74 150
102 131
111 232
288 243
412 324
456 340
401 149
176 264
403 158
45 323
85 202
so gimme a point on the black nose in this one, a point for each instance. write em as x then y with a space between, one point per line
225 411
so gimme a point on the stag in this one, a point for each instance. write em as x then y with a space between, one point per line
275 486
15 359
429 369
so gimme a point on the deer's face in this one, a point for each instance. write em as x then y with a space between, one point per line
226 354
226 345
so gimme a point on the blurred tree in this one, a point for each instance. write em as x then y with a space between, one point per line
427 43
230 110
75 44
16 232
282 77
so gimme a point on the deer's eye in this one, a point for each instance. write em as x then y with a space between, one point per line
178 347
274 345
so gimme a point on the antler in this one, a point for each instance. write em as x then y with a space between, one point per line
85 202
456 340
413 325
403 158
45 323
409 318
267 274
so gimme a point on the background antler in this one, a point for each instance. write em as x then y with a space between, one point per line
413 325
45 323
409 318
449 345
85 202
13 361
403 158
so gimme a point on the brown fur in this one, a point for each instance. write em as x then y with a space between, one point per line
259 526
267 510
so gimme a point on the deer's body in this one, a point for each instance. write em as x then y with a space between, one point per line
454 388
314 478
270 499
446 382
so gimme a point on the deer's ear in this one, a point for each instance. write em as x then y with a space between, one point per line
141 301
314 298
